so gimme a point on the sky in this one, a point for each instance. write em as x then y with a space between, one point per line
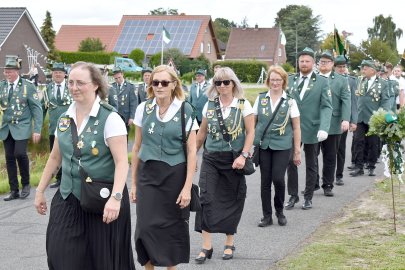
349 15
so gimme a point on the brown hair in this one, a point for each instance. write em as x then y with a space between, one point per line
280 71
177 91
95 76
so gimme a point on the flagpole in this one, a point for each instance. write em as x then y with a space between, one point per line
161 56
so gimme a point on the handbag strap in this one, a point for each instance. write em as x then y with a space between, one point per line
271 120
76 150
185 135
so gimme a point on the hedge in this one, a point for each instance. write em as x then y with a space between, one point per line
247 71
93 57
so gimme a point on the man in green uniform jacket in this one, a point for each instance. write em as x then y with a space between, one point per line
372 95
314 100
197 96
19 106
56 101
141 90
341 103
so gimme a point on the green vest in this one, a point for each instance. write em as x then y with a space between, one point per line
18 114
96 157
275 138
55 108
233 123
162 141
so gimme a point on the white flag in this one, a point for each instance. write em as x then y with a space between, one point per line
283 41
165 36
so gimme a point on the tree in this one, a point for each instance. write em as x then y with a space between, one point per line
48 34
91 45
244 23
384 29
137 55
162 11
222 28
300 27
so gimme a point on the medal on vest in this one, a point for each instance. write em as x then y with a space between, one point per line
64 123
94 149
264 101
152 125
175 119
80 143
210 113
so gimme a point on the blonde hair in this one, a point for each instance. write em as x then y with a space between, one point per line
177 92
280 71
225 73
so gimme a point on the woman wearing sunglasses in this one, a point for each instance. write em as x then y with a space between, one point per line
277 123
162 174
222 188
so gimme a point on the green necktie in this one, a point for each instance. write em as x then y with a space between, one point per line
58 94
301 85
366 86
10 92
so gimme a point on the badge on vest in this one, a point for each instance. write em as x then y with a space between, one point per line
64 124
149 108
210 113
264 101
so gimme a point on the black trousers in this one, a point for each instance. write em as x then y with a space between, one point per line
329 149
16 150
51 142
361 140
341 155
311 155
273 165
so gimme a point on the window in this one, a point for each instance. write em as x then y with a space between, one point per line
279 52
202 47
209 47
150 36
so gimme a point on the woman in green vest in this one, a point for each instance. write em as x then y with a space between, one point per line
77 239
162 173
276 142
222 187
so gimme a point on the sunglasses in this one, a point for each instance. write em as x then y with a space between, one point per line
225 82
163 83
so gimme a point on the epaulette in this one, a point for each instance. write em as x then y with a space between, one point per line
265 92
27 81
107 106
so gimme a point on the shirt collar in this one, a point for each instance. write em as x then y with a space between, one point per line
62 83
71 111
284 95
326 74
15 83
308 75
176 102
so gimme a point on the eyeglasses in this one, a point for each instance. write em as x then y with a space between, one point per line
163 83
324 62
276 80
78 83
225 82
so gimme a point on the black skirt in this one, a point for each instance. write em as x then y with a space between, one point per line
222 194
162 232
76 239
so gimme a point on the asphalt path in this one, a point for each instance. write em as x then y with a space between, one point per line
22 230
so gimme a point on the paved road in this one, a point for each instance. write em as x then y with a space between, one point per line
22 230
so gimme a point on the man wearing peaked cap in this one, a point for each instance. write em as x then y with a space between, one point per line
341 104
197 96
313 96
19 108
142 88
372 95
56 101
341 68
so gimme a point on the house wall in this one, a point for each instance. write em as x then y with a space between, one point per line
23 33
207 39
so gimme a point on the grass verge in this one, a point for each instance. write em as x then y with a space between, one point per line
361 238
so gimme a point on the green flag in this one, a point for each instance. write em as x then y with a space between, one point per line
166 35
339 47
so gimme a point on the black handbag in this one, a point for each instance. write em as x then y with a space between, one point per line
94 193
195 204
248 169
255 156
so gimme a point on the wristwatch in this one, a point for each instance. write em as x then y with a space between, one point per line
245 154
117 196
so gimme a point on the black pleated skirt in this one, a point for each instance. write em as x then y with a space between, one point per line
76 239
222 194
162 232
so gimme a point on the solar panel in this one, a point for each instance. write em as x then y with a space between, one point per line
133 35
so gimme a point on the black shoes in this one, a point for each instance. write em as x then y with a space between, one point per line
371 172
207 253
228 256
328 192
293 200
307 204
282 221
55 185
12 196
266 221
25 192
357 172
339 181
317 187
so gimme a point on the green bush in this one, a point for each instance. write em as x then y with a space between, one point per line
93 57
137 55
288 67
188 77
247 71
